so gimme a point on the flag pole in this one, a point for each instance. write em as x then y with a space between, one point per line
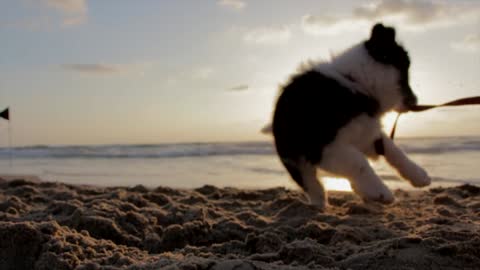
5 114
10 143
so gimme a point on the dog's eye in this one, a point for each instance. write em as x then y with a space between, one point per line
384 57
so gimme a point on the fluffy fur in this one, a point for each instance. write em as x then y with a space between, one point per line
328 117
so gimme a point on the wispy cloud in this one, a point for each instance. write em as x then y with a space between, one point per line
327 25
202 73
47 14
69 6
233 4
73 12
137 67
471 43
92 68
412 15
239 88
268 35
412 12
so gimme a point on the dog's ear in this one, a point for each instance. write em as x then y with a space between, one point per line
382 36
383 48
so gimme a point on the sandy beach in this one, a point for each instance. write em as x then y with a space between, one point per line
46 225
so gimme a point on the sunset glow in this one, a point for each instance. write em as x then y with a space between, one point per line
388 121
336 184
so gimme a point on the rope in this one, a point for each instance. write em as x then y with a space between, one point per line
421 108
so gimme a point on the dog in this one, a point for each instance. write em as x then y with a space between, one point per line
328 116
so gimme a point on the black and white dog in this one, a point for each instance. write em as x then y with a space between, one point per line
328 117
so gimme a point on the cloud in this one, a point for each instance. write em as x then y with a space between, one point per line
48 14
325 20
471 43
328 25
73 12
234 4
203 73
268 35
138 67
68 6
92 68
412 15
239 88
412 12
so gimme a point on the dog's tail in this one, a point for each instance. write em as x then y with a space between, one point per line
267 129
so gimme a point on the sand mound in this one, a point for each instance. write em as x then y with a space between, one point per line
57 226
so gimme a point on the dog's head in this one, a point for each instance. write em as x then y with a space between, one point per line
384 49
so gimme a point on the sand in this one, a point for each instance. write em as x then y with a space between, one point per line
45 225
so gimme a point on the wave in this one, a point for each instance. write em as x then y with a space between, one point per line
440 145
140 151
152 151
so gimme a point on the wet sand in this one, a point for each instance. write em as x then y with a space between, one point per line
45 225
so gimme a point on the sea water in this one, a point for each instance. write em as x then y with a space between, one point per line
450 161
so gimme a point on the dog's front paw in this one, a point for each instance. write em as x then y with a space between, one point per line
417 176
422 182
385 197
376 193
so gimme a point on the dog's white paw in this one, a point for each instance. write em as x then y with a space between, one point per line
385 196
377 193
417 176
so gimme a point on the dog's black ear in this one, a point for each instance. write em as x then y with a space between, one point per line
382 35
383 47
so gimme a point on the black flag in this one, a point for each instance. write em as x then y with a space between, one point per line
5 114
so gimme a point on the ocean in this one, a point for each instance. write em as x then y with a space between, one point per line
450 161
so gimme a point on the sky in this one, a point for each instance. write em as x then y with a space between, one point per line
117 71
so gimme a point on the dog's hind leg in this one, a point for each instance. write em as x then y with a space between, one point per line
347 161
305 174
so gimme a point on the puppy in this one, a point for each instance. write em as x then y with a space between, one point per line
328 117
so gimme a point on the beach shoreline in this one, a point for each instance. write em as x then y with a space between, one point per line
48 225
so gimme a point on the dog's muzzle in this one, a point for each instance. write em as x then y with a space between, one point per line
409 99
